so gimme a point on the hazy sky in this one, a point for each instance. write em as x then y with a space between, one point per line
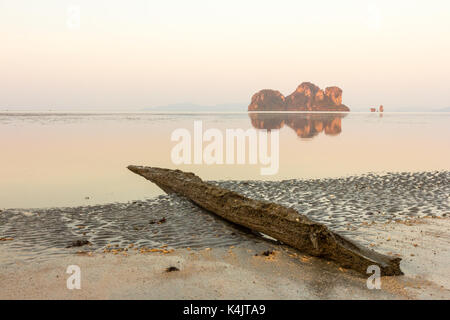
134 54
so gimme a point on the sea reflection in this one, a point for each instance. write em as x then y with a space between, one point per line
305 125
69 160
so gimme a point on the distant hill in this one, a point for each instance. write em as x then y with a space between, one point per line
411 109
188 107
443 110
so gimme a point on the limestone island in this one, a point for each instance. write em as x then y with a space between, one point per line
307 97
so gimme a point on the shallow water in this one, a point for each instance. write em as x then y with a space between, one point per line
50 160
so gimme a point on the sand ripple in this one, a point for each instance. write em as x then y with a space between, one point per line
343 204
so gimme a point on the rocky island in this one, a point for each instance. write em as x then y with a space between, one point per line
307 97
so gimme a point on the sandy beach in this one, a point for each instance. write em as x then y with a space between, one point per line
241 272
129 246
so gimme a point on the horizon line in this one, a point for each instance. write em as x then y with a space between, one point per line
54 112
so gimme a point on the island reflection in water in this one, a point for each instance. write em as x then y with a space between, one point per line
305 125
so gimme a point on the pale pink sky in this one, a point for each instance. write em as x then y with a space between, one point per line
135 54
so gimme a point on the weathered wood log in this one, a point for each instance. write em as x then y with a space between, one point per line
279 222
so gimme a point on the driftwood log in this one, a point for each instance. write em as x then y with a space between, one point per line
279 222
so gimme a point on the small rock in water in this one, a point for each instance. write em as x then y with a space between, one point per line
266 253
172 269
78 243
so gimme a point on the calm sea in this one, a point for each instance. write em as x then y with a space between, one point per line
49 159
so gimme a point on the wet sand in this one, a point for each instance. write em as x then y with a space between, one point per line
404 214
237 273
